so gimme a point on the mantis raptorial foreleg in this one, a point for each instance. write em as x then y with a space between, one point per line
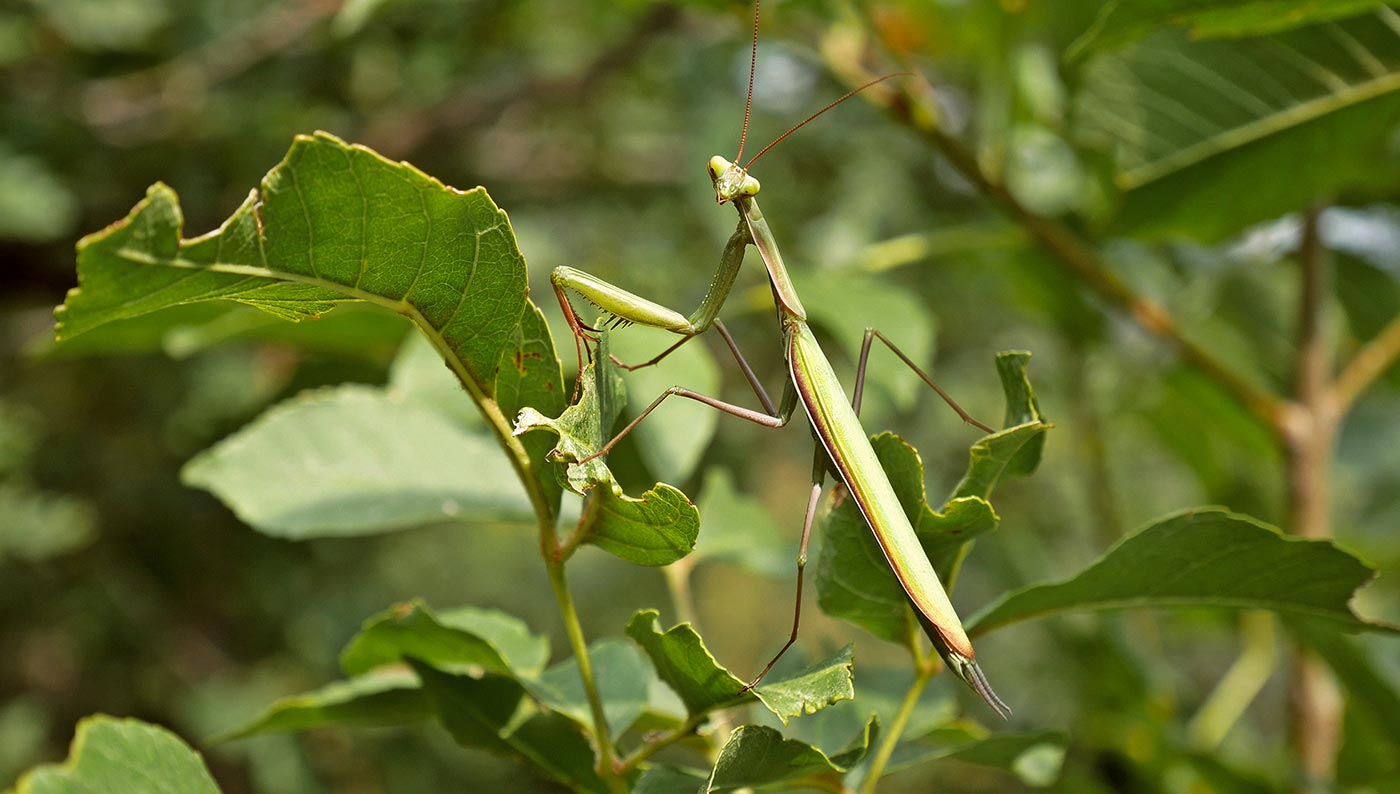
629 308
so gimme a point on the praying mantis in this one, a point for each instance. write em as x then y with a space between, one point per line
843 444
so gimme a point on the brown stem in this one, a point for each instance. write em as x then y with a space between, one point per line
1369 363
1310 438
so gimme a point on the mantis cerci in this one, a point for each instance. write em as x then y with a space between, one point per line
844 445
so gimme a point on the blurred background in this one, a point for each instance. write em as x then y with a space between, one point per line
123 591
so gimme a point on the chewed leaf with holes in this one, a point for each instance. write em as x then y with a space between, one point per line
657 528
1262 126
335 223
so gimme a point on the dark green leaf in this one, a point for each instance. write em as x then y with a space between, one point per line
1191 119
122 755
379 699
670 780
1207 557
759 756
1021 408
466 637
335 223
492 713
1372 697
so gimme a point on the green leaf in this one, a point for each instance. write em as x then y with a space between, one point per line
657 528
1002 454
1263 126
465 637
854 581
624 683
1021 408
756 756
122 755
335 223
492 713
355 460
1207 557
1122 22
384 698
687 667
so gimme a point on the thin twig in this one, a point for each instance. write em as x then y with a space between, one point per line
1369 364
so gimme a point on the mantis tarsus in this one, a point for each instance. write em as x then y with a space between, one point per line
843 445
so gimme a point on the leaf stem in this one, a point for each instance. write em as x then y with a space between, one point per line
1370 362
922 673
606 765
647 750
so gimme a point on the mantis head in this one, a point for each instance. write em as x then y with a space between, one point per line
731 181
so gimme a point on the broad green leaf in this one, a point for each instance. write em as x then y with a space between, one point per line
675 435
1262 126
1124 21
854 581
122 755
335 223
1036 758
687 667
385 698
758 756
465 637
623 679
1207 557
492 713
657 528
738 529
354 460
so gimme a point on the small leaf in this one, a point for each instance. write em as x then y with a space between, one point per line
687 667
1021 408
658 528
491 713
379 699
1000 454
1207 557
759 756
823 684
465 637
623 679
122 755
670 780
854 581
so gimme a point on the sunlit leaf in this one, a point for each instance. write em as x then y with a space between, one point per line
110 754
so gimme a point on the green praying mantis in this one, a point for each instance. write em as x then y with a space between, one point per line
843 444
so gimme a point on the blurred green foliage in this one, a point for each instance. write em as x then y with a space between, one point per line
1176 152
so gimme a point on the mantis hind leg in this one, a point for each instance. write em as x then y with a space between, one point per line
872 334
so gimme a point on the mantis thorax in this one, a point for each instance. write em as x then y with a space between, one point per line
731 181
